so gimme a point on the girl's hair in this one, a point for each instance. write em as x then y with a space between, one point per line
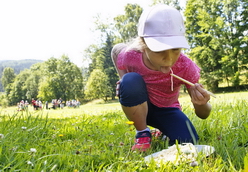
138 44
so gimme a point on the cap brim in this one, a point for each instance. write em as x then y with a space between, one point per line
157 44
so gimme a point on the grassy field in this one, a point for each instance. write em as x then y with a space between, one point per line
95 137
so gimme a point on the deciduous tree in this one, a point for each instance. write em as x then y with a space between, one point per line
217 31
7 78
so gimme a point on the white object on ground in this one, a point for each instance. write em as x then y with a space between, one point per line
176 154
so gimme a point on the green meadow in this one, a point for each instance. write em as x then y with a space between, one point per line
95 137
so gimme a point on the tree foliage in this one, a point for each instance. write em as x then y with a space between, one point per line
217 32
173 3
100 55
62 79
7 78
126 24
97 86
18 89
17 65
52 79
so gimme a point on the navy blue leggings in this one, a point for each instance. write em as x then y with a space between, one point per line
170 121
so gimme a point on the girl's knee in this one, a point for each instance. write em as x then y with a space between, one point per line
132 90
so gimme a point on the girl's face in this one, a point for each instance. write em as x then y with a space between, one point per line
161 61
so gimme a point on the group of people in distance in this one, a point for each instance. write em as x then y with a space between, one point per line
59 103
38 105
22 105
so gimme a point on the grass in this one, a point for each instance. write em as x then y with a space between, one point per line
96 138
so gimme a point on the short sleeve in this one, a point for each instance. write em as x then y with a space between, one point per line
120 60
192 73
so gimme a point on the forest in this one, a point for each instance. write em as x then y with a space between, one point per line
17 65
217 32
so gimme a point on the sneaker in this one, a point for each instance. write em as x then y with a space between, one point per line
143 141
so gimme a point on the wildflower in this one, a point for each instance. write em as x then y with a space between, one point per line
1 136
76 170
111 145
30 163
33 150
61 135
130 122
24 128
111 133
13 149
194 163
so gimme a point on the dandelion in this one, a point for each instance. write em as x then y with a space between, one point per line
1 136
33 150
61 135
130 122
24 128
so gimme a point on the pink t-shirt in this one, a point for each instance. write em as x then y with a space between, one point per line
159 84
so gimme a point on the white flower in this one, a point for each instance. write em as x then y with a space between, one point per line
194 163
33 150
1 136
30 163
24 128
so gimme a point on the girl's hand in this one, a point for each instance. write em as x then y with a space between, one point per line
117 87
199 96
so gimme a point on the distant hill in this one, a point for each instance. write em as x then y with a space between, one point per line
17 65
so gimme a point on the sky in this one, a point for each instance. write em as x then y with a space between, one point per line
41 29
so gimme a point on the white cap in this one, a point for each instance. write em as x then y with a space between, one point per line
162 28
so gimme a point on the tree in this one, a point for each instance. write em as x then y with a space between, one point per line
18 89
173 3
214 30
33 81
7 79
126 24
97 85
62 79
122 29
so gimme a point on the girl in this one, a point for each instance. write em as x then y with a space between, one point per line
147 92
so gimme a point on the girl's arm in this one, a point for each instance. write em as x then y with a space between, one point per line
114 54
200 98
